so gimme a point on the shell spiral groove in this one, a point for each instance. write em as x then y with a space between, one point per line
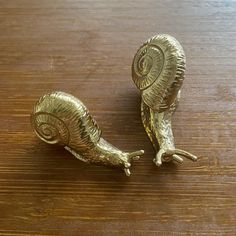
50 128
147 65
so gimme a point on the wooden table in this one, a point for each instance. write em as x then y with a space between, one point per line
86 48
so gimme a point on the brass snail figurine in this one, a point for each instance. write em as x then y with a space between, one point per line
158 71
60 118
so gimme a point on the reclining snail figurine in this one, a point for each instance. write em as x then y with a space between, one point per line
60 118
158 71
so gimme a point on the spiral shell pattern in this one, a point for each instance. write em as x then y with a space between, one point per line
158 70
147 65
50 128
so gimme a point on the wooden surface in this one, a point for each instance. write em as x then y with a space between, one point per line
86 48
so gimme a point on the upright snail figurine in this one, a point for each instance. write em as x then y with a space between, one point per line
60 118
158 71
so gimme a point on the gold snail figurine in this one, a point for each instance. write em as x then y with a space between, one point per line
60 118
158 71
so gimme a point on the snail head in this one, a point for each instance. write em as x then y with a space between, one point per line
128 158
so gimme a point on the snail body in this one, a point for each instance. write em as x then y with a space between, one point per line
158 70
60 118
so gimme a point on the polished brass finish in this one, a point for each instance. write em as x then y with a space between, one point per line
60 118
158 71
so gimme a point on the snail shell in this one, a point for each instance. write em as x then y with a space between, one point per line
158 71
60 118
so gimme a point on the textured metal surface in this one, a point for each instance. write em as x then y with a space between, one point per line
158 71
60 118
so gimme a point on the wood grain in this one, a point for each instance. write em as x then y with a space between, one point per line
86 48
